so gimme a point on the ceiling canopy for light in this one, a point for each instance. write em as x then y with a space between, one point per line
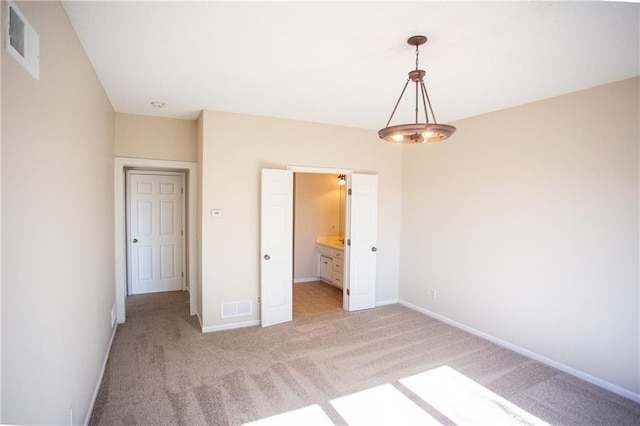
418 132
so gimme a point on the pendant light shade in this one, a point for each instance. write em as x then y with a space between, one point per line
423 129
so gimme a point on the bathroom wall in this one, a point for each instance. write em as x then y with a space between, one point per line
316 214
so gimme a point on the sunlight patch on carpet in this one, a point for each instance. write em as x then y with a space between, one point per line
382 405
312 415
464 401
451 393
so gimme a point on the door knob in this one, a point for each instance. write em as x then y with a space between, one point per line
374 249
135 240
267 257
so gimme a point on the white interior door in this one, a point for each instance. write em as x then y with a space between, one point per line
276 247
361 257
155 243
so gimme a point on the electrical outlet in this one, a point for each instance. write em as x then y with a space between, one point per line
432 293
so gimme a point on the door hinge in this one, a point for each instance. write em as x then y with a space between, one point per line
182 190
183 275
349 241
349 192
182 232
348 292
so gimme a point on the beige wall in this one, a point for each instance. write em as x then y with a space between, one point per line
231 164
316 214
526 224
157 138
57 227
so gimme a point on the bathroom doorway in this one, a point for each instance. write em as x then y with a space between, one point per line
318 241
276 242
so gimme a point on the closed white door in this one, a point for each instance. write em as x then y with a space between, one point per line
363 222
276 247
155 243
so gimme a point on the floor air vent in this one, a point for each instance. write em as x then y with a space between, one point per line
236 309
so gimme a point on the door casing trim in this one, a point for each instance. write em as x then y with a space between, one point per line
120 261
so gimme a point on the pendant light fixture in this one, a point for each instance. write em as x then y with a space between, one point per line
420 131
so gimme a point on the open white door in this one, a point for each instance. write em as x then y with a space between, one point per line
276 247
363 222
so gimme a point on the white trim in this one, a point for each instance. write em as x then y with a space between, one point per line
322 170
386 302
100 377
565 368
305 280
120 163
232 326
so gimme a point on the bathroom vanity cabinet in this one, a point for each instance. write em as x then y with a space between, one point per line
331 262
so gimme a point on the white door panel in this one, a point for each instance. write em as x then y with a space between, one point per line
363 223
143 258
155 232
276 247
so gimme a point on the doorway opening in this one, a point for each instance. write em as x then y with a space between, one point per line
121 165
276 242
318 240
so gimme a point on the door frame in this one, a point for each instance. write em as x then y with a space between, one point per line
190 169
183 206
347 212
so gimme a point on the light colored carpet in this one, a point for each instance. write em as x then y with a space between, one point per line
163 370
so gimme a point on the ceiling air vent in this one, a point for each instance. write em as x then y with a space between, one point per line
22 41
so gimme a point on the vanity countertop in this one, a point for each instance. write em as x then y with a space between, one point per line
333 242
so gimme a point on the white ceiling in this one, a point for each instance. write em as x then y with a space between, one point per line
345 62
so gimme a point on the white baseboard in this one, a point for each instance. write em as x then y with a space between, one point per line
231 326
386 302
100 377
565 368
305 280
